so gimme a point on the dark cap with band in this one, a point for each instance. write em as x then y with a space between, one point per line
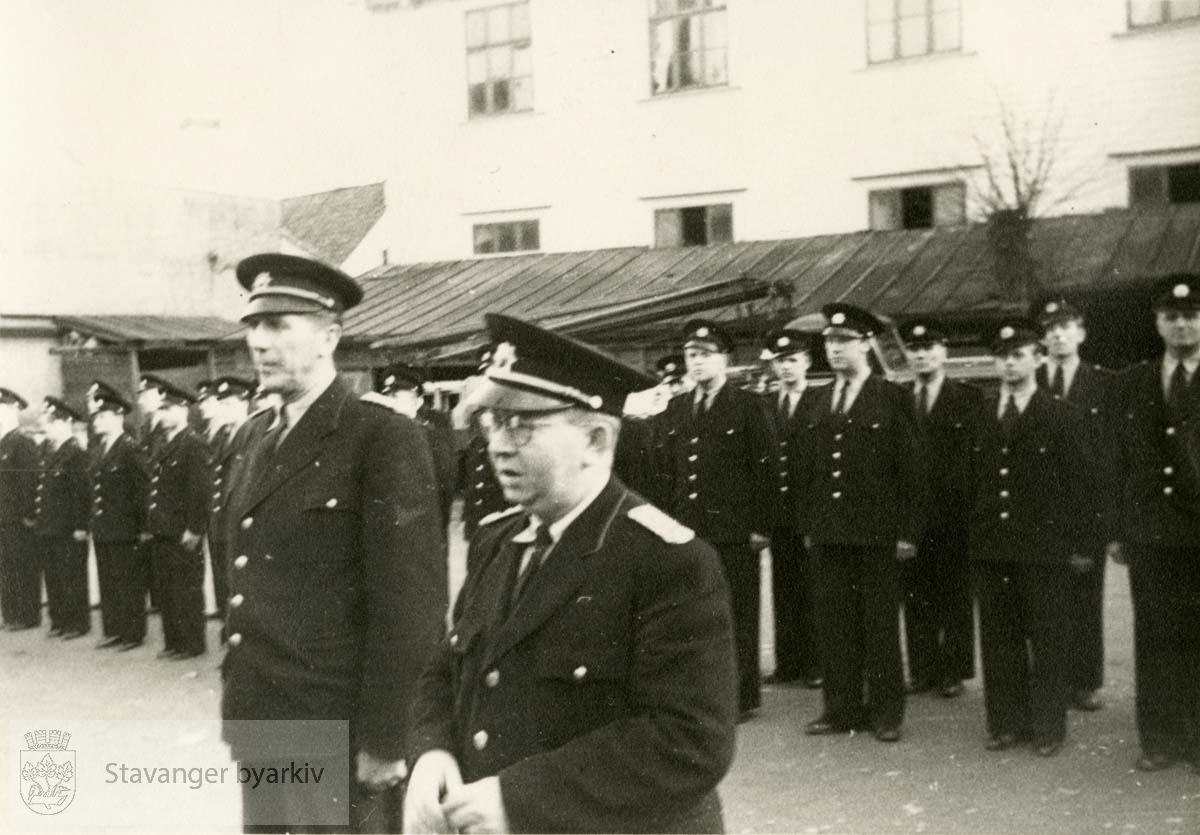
280 283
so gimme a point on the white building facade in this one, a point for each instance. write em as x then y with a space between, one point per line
558 125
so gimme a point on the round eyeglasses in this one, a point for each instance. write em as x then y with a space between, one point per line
519 426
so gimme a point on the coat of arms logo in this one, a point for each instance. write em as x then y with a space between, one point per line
47 771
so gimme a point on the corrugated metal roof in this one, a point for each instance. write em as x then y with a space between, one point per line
334 222
941 271
150 329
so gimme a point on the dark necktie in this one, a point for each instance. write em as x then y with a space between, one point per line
922 400
1010 413
537 553
839 398
1058 385
1177 403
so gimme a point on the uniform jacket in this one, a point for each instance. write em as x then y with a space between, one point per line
221 449
120 484
948 435
179 482
633 459
607 700
721 466
482 495
1035 489
337 576
63 491
1160 494
441 448
1094 391
861 476
788 431
18 477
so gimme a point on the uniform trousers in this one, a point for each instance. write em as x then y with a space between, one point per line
217 551
182 602
64 562
939 617
858 612
741 566
793 588
1086 670
1165 585
1024 634
122 569
22 588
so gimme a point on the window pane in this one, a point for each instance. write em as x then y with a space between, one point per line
687 5
914 36
662 39
521 90
1183 184
1147 187
506 237
521 61
694 223
1184 8
913 7
500 101
520 22
477 98
881 42
884 210
949 205
720 223
1145 12
714 67
484 240
476 67
498 28
529 235
916 208
946 32
664 7
476 29
660 71
715 33
690 71
499 59
668 231
946 5
881 10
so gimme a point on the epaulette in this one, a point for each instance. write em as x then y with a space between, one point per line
499 514
257 412
659 523
377 399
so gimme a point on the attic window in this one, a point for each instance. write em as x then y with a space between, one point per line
513 236
499 63
1163 185
693 225
919 207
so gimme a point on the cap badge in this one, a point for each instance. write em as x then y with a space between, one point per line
783 342
1181 291
261 281
837 319
94 390
702 333
224 387
919 330
1007 333
390 380
1052 307
504 356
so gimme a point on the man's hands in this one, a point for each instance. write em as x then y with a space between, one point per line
377 774
437 800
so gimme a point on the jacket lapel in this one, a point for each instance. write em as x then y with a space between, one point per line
300 446
564 571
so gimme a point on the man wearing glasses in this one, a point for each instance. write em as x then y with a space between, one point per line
589 681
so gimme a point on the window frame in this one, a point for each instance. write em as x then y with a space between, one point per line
513 43
1165 19
703 8
710 223
1165 183
518 228
935 210
930 14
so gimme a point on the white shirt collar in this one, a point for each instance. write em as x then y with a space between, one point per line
1021 398
1168 368
296 409
933 387
555 529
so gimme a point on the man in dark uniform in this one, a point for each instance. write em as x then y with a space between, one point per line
1159 408
149 398
862 508
939 611
20 586
481 491
338 586
1092 388
720 476
118 515
1034 493
797 655
206 409
588 683
230 405
60 521
176 517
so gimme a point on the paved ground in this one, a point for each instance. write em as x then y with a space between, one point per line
939 779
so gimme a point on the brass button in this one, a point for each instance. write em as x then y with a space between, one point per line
247 522
579 673
236 600
1168 471
1004 471
836 456
693 457
693 496
332 503
480 740
836 473
1168 490
1170 430
235 639
241 561
1004 494
1003 514
837 494
492 678
454 640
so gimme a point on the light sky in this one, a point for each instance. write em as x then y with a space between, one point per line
258 97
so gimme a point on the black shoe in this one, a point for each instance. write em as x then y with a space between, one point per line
21 627
111 641
167 654
73 634
1086 700
781 678
54 633
184 656
918 687
814 682
888 733
1048 749
128 645
1154 762
823 727
1001 742
747 715
951 689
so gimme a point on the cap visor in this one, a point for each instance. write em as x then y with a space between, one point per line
490 394
834 330
267 305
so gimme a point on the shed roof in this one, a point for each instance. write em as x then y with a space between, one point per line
150 330
333 223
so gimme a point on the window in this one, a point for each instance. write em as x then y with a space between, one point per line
694 225
904 28
1154 12
920 207
1162 185
499 69
688 45
512 236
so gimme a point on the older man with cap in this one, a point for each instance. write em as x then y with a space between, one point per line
1024 545
20 586
149 399
1093 389
939 610
230 406
176 518
588 682
720 476
337 582
1159 411
481 492
60 521
862 509
120 483
793 586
